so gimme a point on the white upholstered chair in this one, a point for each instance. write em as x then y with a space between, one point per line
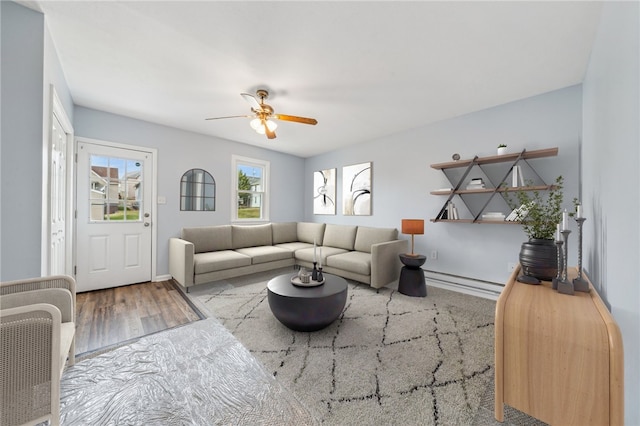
37 336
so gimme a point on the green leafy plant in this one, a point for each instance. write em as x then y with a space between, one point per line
542 212
502 145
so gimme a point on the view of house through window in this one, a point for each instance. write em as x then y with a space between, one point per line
116 189
251 189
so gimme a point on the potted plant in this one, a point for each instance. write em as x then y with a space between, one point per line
539 214
502 149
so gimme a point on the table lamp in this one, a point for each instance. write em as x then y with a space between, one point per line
413 227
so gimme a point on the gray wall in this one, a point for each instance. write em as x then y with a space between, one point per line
610 156
29 66
179 151
21 149
403 178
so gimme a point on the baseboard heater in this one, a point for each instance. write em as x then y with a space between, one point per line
475 287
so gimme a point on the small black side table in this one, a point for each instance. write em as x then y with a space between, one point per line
411 280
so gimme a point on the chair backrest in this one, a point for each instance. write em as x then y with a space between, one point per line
29 364
55 281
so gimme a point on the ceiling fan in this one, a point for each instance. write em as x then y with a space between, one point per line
262 115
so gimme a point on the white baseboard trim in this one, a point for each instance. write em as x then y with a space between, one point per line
466 285
158 278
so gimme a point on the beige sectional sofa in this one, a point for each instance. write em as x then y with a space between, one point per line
211 253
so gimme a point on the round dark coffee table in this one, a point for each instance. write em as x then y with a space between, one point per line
307 308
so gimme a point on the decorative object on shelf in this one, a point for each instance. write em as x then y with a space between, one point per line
579 283
502 149
413 227
356 190
324 184
564 285
455 157
539 218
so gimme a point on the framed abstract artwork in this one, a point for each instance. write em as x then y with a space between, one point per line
324 191
356 190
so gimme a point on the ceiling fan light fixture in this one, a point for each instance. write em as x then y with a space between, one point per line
271 125
256 124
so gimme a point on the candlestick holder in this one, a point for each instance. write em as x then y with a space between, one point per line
320 276
314 272
579 283
558 278
564 285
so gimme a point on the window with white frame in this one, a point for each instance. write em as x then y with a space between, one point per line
251 189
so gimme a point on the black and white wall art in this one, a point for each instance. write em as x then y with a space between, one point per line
356 189
324 191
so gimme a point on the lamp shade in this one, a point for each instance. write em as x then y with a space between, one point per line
413 226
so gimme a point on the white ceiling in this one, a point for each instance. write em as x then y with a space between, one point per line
362 69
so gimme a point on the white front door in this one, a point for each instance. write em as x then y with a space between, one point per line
114 216
58 199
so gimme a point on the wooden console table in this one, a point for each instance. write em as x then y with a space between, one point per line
558 358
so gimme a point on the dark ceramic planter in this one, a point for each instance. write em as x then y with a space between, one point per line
538 259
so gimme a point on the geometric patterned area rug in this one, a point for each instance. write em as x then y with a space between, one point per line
388 359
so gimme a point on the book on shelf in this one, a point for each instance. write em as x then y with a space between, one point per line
516 177
519 213
452 211
497 216
476 183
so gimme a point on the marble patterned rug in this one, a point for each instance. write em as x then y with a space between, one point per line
388 359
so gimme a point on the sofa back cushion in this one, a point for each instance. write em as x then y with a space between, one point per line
309 231
286 232
208 238
340 236
366 237
251 235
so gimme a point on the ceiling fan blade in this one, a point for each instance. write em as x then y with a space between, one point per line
255 105
270 133
303 120
231 116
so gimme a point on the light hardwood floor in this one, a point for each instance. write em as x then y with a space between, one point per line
111 316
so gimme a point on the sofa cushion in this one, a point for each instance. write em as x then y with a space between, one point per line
294 246
340 236
353 261
264 254
309 232
286 232
307 253
208 238
218 261
366 237
251 235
